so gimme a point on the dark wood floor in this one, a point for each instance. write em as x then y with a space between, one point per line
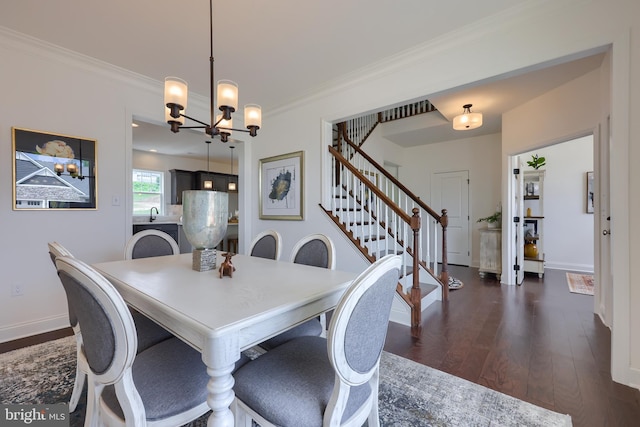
537 342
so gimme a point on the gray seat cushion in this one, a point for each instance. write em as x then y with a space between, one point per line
311 327
170 378
149 332
291 385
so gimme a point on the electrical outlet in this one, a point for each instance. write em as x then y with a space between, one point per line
17 290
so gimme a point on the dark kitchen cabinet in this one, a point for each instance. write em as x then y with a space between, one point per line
181 180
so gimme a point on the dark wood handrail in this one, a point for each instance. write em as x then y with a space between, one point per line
393 179
387 201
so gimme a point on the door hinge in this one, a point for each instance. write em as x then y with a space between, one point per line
516 219
516 171
516 267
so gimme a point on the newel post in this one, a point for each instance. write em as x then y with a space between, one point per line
416 310
444 273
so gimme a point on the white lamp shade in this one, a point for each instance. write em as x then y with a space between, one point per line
225 125
227 94
169 119
252 115
175 92
467 121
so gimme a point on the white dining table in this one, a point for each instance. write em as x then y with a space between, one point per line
221 317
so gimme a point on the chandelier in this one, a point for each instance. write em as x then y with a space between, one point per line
175 100
467 120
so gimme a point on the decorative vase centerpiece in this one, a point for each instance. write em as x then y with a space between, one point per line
204 221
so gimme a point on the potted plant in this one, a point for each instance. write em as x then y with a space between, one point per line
493 221
536 162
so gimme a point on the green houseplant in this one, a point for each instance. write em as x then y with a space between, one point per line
536 162
494 220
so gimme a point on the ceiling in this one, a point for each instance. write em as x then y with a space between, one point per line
277 52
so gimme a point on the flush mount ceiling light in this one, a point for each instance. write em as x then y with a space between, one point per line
467 120
175 100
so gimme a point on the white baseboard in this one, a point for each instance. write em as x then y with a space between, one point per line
634 378
584 268
27 329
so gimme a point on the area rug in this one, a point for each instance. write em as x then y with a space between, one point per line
580 283
455 283
410 394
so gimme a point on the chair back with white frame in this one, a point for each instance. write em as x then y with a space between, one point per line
150 243
313 381
316 250
267 244
164 385
57 250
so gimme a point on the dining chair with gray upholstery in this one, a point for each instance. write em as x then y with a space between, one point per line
149 332
312 381
267 244
164 385
57 250
316 250
150 243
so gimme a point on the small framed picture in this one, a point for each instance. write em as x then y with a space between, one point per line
282 186
590 194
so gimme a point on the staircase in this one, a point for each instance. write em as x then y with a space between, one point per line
381 216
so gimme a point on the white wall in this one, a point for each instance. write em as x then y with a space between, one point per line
568 229
48 91
62 93
511 42
480 156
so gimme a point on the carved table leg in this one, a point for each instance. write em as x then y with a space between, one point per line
220 396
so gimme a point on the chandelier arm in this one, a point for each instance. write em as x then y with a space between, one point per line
236 130
194 127
194 120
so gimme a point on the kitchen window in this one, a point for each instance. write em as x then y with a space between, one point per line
148 191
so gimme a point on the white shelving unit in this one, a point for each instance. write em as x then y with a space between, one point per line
534 221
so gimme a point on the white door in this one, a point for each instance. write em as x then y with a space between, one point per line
603 291
450 191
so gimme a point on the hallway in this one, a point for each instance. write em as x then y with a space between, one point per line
537 342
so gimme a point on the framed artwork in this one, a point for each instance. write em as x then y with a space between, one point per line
590 193
281 186
53 171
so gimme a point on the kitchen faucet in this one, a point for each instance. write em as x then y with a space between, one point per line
151 217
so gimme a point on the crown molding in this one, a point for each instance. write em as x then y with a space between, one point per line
451 41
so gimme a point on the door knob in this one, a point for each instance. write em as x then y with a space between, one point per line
605 232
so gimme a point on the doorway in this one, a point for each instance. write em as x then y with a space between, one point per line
562 225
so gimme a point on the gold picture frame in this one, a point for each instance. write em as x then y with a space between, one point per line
282 187
53 171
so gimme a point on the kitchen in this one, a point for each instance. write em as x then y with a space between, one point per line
184 160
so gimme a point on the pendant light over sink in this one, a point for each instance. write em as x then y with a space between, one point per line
233 186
